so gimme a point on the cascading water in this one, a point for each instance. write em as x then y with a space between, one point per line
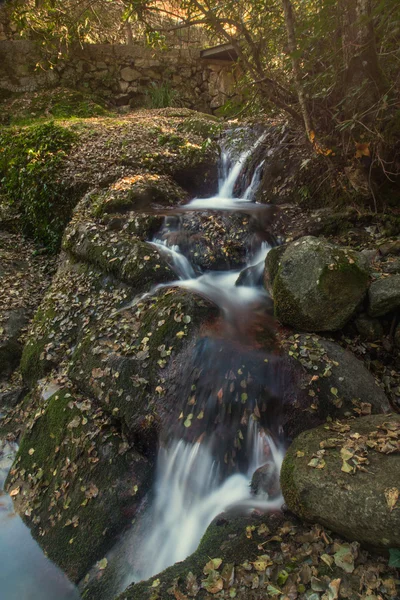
192 485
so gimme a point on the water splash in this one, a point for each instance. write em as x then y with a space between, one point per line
178 262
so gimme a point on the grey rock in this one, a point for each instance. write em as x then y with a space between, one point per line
353 505
318 286
384 296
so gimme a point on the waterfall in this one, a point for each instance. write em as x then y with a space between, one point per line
191 486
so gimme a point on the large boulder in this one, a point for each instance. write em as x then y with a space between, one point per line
345 476
317 286
76 480
384 296
331 383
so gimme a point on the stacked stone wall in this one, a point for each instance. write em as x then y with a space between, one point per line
123 74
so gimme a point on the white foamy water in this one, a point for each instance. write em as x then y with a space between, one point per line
178 261
189 494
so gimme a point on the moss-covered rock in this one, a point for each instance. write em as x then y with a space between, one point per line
80 295
123 361
76 481
345 476
272 263
318 286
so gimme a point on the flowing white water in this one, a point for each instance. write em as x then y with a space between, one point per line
189 494
190 490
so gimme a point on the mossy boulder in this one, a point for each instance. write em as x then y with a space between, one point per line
384 296
76 480
318 286
141 191
254 558
345 476
123 362
272 263
80 295
332 383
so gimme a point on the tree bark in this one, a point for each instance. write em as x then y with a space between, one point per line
358 44
293 49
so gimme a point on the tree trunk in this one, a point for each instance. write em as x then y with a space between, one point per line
359 49
292 45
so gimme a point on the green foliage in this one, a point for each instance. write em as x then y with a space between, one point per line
161 96
30 159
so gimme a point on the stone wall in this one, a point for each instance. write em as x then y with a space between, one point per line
123 74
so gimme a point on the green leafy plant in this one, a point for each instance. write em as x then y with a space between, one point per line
161 96
30 160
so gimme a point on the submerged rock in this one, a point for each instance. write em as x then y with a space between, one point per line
384 296
345 476
316 286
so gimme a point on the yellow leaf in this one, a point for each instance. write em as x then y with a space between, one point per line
362 150
392 495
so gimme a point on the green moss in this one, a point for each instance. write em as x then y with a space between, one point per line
78 488
348 277
206 126
225 539
272 262
284 302
32 364
30 162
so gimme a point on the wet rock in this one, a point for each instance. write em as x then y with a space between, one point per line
368 328
211 241
10 398
318 286
76 481
345 476
265 481
332 383
251 276
384 296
